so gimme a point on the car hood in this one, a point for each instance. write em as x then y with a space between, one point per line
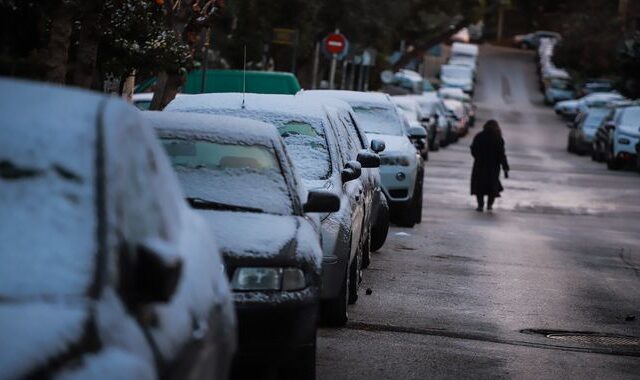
456 81
32 333
569 104
250 235
629 130
393 143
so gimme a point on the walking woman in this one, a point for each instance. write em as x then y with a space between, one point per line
488 152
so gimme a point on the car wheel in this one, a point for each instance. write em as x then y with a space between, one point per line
436 145
381 228
524 46
366 252
594 153
638 162
570 148
405 215
612 161
355 276
417 200
334 311
304 365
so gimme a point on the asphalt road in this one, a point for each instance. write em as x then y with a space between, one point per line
561 251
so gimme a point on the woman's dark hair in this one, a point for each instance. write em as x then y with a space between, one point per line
494 127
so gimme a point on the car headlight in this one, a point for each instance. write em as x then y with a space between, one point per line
395 160
623 141
268 279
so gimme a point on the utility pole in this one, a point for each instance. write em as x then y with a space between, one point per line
316 63
205 56
500 21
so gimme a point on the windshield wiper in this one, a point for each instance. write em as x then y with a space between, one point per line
205 204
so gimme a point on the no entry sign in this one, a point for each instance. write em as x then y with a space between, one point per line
335 43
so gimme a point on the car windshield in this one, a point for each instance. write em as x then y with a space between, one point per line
225 176
631 116
560 84
428 108
455 71
378 119
595 117
304 136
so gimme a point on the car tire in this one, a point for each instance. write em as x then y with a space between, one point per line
435 145
570 148
381 228
304 365
417 200
612 161
366 252
594 153
333 312
355 270
405 214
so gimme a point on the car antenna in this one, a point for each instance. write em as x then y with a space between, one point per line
244 75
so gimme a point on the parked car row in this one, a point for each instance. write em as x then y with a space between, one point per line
226 220
460 71
607 127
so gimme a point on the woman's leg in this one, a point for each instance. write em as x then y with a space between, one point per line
480 200
490 200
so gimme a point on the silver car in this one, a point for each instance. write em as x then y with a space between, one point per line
324 162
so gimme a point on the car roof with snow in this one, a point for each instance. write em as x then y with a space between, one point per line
222 128
272 103
47 177
356 96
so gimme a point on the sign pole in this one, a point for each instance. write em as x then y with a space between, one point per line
332 72
316 63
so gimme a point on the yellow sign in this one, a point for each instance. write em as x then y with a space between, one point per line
283 36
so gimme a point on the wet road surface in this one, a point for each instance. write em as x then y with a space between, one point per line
561 251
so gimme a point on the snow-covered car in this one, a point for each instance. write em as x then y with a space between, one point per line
324 162
432 106
457 76
238 176
401 167
532 40
624 137
461 96
377 213
591 86
559 89
106 272
142 100
569 109
411 110
464 50
458 115
583 130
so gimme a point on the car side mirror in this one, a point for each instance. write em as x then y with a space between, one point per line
368 160
352 170
157 271
378 145
417 133
322 201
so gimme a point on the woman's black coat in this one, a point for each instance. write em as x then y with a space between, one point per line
487 150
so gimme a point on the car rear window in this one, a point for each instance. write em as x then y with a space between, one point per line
378 119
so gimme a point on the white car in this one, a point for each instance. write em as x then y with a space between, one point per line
626 137
324 160
411 110
571 108
457 76
401 167
105 270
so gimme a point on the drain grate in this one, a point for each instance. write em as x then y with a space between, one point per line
590 338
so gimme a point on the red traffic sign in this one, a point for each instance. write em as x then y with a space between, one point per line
335 43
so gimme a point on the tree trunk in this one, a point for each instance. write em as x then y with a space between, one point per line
166 90
57 51
85 71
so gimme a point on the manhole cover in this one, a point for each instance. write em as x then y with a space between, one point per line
590 338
